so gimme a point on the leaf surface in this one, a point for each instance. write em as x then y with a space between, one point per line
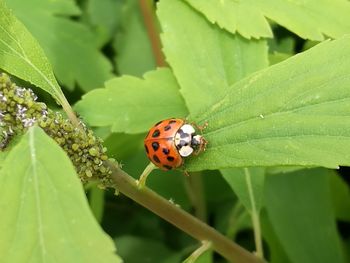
312 19
300 210
47 216
205 59
293 113
69 45
133 105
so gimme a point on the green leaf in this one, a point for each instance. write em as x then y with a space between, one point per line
312 19
105 16
277 253
235 16
47 216
300 211
69 45
293 113
137 249
205 59
21 55
97 202
248 184
132 45
341 197
133 105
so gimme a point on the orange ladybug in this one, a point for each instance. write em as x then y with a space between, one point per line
169 141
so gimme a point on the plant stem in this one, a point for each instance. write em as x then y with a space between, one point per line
255 216
206 245
146 7
142 180
179 218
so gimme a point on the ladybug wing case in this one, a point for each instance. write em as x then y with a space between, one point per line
160 145
163 153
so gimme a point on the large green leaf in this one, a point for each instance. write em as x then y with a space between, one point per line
293 113
300 210
133 105
69 45
341 197
47 217
205 59
312 19
21 55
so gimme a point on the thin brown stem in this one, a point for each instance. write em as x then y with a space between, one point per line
181 219
146 7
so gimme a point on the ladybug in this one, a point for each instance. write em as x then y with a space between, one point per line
170 141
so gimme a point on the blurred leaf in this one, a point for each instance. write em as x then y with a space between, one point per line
133 105
120 145
104 16
277 57
134 55
97 202
293 113
22 56
300 211
248 184
138 249
276 251
341 197
238 219
47 216
69 45
205 59
312 19
284 45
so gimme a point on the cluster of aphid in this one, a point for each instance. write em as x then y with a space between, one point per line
19 110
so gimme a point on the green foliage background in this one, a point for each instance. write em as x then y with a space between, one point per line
277 105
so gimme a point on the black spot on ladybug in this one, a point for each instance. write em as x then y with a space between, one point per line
146 148
168 167
166 151
155 146
172 121
167 128
156 159
156 133
159 122
170 158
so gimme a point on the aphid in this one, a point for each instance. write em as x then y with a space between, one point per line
170 141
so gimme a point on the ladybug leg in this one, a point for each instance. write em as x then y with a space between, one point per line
200 127
141 182
186 173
